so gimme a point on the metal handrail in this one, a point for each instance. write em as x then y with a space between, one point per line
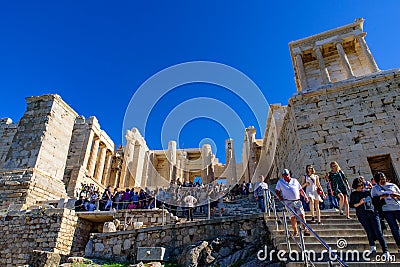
302 246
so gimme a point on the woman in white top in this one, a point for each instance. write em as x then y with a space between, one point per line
311 181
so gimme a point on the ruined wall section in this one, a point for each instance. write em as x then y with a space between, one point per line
47 230
7 132
346 122
288 154
275 121
34 165
123 245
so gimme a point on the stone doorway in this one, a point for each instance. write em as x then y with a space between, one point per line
383 163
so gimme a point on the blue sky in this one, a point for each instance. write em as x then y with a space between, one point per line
96 54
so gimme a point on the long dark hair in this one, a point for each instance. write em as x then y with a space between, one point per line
378 176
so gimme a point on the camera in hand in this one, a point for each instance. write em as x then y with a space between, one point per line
368 203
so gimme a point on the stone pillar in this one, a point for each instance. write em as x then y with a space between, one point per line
127 163
322 67
206 156
171 157
231 176
367 53
87 152
343 59
93 156
107 169
100 163
300 70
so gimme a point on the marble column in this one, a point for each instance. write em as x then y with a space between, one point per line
343 59
100 163
171 157
322 68
93 156
107 168
128 154
87 152
367 53
300 70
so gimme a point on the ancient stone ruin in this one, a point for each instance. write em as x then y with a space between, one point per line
345 109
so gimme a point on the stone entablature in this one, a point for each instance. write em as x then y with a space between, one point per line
122 245
332 56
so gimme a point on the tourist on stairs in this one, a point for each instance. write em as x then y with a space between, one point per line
260 192
340 187
312 185
388 195
368 216
289 190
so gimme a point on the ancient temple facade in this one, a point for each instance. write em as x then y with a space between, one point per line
52 151
346 109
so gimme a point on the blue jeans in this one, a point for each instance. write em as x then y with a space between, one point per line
306 206
261 203
372 225
392 217
333 201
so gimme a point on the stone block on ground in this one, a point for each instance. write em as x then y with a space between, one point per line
44 259
150 253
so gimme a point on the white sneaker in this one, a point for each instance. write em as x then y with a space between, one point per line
386 256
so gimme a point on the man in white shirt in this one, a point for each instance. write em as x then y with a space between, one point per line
190 202
259 194
288 190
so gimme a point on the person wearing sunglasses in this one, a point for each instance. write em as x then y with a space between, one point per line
367 215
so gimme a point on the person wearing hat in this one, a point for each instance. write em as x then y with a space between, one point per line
289 190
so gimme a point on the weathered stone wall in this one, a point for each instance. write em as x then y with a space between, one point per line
14 187
287 154
47 230
81 236
345 122
7 132
38 152
147 217
122 246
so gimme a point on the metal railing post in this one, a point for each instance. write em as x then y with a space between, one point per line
163 219
268 196
286 230
307 227
275 215
303 247
125 221
208 208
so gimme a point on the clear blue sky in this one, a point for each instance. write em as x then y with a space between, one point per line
95 54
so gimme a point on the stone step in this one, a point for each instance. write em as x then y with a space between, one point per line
316 246
353 239
342 226
349 264
337 233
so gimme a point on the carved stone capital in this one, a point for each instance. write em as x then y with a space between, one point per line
337 41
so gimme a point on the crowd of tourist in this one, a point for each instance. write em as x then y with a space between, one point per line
373 201
175 198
